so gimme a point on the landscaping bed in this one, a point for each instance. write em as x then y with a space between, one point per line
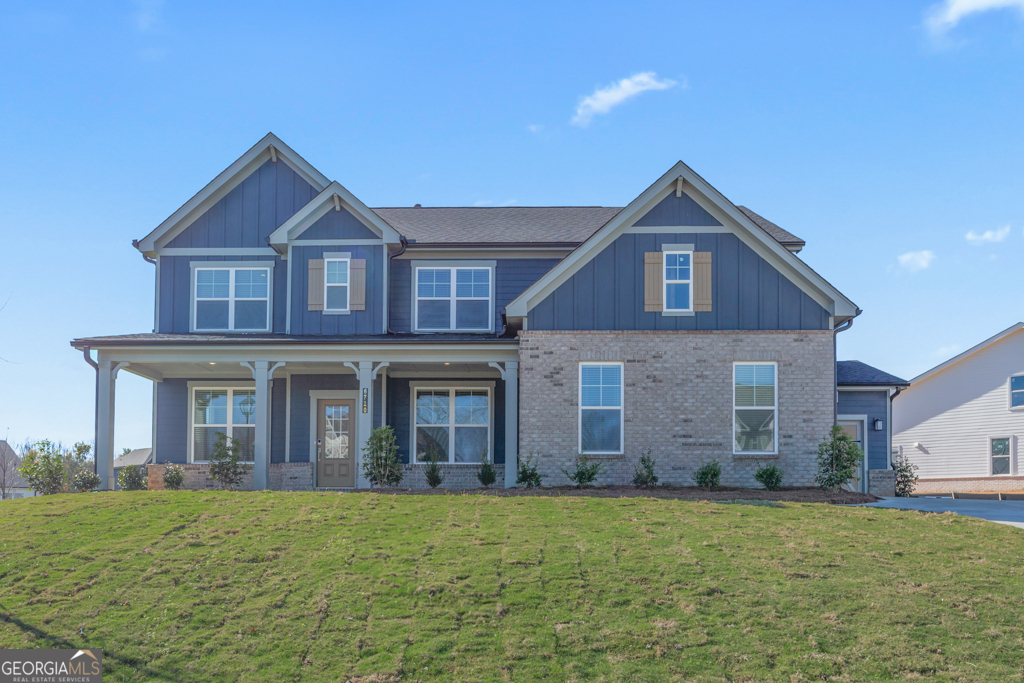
791 494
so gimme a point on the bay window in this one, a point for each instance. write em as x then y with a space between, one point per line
755 408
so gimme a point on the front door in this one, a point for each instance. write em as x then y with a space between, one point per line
335 443
855 430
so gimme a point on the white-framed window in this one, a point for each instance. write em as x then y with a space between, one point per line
454 299
336 284
222 410
600 400
755 408
231 299
1017 392
452 424
678 281
1000 450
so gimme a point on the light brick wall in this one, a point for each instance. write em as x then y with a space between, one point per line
678 400
455 477
285 476
882 483
969 485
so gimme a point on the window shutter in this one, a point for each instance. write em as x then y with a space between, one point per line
701 281
357 280
654 274
315 296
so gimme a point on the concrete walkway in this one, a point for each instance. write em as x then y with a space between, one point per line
1009 512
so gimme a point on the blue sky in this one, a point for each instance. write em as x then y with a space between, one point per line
886 134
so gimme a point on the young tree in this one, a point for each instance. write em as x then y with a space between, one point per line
225 467
43 467
838 458
380 458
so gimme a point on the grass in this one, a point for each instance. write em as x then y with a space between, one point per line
326 587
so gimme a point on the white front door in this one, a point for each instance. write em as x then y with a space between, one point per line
855 430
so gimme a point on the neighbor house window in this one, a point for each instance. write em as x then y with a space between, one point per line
223 411
453 425
755 408
1000 449
453 299
232 299
336 284
1017 391
678 281
601 408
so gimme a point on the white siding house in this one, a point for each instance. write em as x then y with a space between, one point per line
962 422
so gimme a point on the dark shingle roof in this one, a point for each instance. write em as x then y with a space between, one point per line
783 237
569 225
855 373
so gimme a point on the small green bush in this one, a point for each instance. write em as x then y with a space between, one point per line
225 468
643 474
44 468
770 477
433 471
838 459
132 478
174 477
528 475
708 476
86 480
487 475
380 458
906 476
584 472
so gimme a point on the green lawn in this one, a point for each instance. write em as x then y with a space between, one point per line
310 586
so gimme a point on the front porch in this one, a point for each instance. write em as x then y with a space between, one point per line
303 412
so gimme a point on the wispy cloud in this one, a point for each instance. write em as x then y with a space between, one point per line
147 14
603 100
945 16
916 260
535 128
946 351
988 236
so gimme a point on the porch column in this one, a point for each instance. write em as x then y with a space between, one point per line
106 375
262 373
511 377
364 409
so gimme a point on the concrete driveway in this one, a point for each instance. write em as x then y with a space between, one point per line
1009 512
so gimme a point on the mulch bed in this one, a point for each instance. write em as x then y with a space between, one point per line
792 494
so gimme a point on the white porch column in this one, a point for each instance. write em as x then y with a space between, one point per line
106 376
364 411
510 374
262 373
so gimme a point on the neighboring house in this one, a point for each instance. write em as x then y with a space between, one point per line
294 318
865 413
138 456
962 421
17 487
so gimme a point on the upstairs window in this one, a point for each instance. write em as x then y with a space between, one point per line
453 300
1017 391
232 300
336 284
755 408
678 281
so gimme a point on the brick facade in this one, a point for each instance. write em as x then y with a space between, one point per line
969 485
455 477
284 476
678 400
882 483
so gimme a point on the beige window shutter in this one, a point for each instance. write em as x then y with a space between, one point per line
701 281
654 289
357 280
315 296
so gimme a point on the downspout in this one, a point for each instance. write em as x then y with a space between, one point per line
835 370
504 323
405 244
96 404
888 426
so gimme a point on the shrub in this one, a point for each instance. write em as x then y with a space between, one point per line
770 477
906 476
43 467
584 472
86 480
380 458
643 474
225 468
133 478
528 475
838 458
174 477
433 471
708 476
487 475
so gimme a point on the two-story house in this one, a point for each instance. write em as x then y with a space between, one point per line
295 319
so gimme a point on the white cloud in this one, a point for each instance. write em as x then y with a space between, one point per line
947 14
535 128
603 100
916 260
988 236
148 13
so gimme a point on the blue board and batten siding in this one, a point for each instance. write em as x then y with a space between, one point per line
748 293
511 278
338 225
874 404
369 321
674 210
